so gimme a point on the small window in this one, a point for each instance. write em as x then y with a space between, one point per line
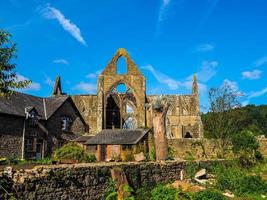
66 123
129 109
188 135
121 66
29 144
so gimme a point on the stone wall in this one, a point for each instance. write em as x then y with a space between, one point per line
11 135
203 148
84 181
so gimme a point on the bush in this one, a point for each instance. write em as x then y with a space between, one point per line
208 195
144 193
161 192
72 151
90 157
251 185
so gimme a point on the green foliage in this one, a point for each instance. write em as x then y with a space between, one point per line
90 157
162 192
72 151
171 152
249 117
208 195
153 153
128 191
111 193
245 145
244 141
144 193
251 185
191 167
239 181
8 77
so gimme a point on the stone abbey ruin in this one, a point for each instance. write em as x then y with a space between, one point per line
112 108
114 122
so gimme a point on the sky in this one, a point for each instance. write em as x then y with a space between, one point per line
220 41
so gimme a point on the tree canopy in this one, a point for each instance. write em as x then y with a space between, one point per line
8 76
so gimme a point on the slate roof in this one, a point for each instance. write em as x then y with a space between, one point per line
17 102
83 138
118 136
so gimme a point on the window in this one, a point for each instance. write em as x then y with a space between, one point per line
66 123
130 123
121 66
29 144
32 117
129 109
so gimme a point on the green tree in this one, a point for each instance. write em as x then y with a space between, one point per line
8 76
223 100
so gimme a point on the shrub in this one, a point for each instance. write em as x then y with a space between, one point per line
73 151
251 185
90 157
171 152
245 145
208 195
228 178
111 193
144 193
161 192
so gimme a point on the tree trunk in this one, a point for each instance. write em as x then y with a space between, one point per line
161 143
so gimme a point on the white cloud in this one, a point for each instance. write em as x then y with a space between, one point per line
252 75
94 74
205 48
85 87
34 86
232 84
52 13
172 83
49 82
261 61
61 61
162 10
162 78
255 95
207 72
258 93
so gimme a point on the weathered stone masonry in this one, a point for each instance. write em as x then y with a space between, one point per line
85 181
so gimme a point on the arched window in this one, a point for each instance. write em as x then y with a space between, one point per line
129 109
188 135
130 123
122 66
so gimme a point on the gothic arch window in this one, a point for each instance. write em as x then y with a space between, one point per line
130 123
66 123
122 66
129 108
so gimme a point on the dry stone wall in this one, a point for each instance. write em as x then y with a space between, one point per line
83 181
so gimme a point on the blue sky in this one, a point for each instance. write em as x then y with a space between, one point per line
170 40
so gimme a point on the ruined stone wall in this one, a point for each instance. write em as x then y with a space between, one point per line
133 79
11 135
84 181
87 106
182 116
203 148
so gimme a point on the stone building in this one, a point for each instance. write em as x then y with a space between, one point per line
121 98
120 144
32 127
